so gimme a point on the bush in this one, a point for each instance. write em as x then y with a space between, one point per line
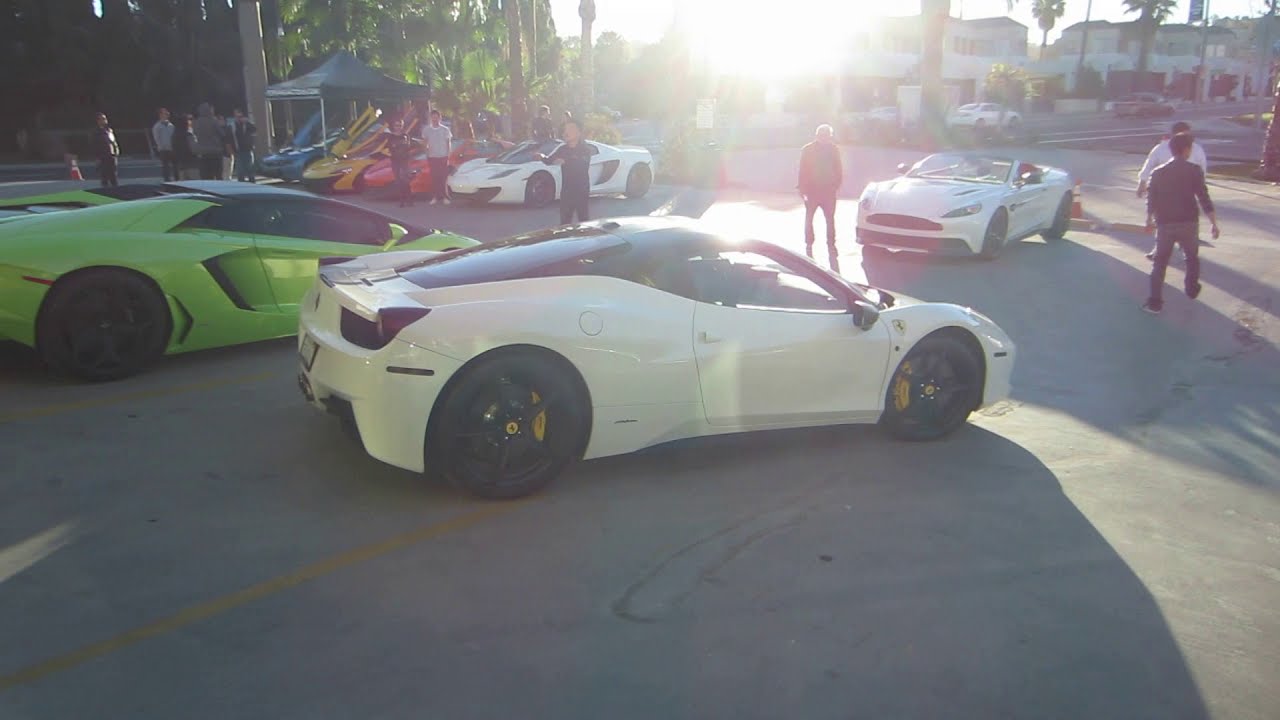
600 128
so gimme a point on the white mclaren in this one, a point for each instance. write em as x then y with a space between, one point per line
518 176
965 204
496 366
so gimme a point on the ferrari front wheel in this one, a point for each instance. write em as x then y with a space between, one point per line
103 324
508 427
933 390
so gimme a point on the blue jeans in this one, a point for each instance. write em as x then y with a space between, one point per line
244 166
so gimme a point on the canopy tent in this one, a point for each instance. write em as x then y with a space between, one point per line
345 77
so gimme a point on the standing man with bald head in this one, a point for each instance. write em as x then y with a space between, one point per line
821 174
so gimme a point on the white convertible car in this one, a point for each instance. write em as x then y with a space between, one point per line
517 176
498 365
965 204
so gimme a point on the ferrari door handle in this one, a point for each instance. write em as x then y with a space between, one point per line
708 338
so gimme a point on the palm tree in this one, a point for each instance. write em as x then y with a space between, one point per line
587 11
1152 14
1046 13
515 68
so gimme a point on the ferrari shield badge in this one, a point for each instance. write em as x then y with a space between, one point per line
900 326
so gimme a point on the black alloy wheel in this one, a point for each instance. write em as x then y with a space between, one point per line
103 325
933 390
540 190
997 233
1061 219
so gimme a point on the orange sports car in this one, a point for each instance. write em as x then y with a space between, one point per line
382 174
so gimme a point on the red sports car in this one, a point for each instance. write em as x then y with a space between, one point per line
382 175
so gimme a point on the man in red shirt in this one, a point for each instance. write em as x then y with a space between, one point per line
821 174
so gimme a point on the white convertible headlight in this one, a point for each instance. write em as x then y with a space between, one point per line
867 194
966 211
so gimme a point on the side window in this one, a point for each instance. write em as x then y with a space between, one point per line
325 222
753 281
233 217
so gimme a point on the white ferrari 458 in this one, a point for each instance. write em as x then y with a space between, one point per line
965 204
498 365
518 176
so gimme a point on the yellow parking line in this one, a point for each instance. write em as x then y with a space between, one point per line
60 408
217 606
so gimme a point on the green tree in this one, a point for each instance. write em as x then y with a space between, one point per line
1151 14
1047 13
611 58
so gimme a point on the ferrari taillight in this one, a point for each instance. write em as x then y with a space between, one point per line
394 319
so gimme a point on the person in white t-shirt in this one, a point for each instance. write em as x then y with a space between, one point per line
1161 154
439 141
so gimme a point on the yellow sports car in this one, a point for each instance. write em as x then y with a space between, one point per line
344 172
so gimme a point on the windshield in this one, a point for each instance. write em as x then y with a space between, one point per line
524 152
967 168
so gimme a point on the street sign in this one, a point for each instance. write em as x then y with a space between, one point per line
1197 12
706 114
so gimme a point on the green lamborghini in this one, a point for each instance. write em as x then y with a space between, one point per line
102 292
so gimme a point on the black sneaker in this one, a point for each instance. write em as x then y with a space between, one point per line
1153 306
1194 292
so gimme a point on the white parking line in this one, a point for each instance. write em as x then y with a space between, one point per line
1086 132
1100 137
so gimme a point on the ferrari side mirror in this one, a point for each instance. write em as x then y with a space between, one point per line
865 315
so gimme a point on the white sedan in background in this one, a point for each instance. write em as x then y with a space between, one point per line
965 204
517 176
496 366
980 116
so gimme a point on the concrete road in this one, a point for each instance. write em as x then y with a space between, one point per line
198 543
1224 141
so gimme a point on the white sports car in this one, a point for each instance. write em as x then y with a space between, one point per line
517 176
965 204
498 365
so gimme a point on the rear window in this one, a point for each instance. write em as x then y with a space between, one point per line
519 256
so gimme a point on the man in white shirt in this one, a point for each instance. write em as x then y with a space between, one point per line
1161 154
439 141
162 135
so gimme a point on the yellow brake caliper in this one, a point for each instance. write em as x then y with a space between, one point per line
902 388
539 420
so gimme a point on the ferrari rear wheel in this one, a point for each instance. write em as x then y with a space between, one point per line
540 190
508 427
103 324
638 181
997 233
1061 220
934 389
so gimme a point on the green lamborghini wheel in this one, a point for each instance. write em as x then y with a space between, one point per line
102 324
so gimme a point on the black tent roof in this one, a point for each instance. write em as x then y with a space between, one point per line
345 77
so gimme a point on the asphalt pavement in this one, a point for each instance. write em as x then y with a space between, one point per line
197 542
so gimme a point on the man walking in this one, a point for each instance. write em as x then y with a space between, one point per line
103 145
1161 154
400 148
439 141
542 130
243 136
574 158
1174 190
821 174
162 136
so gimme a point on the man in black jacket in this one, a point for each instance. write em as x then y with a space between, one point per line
102 143
243 137
1172 212
821 174
574 159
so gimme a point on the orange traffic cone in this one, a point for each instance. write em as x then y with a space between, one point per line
75 168
1077 207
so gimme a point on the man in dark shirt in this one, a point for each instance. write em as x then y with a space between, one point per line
542 131
821 174
103 145
244 135
400 147
574 159
1175 188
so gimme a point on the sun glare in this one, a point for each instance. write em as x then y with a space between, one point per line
757 39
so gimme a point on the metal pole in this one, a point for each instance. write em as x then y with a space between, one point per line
1084 42
255 72
324 130
1262 87
1202 92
